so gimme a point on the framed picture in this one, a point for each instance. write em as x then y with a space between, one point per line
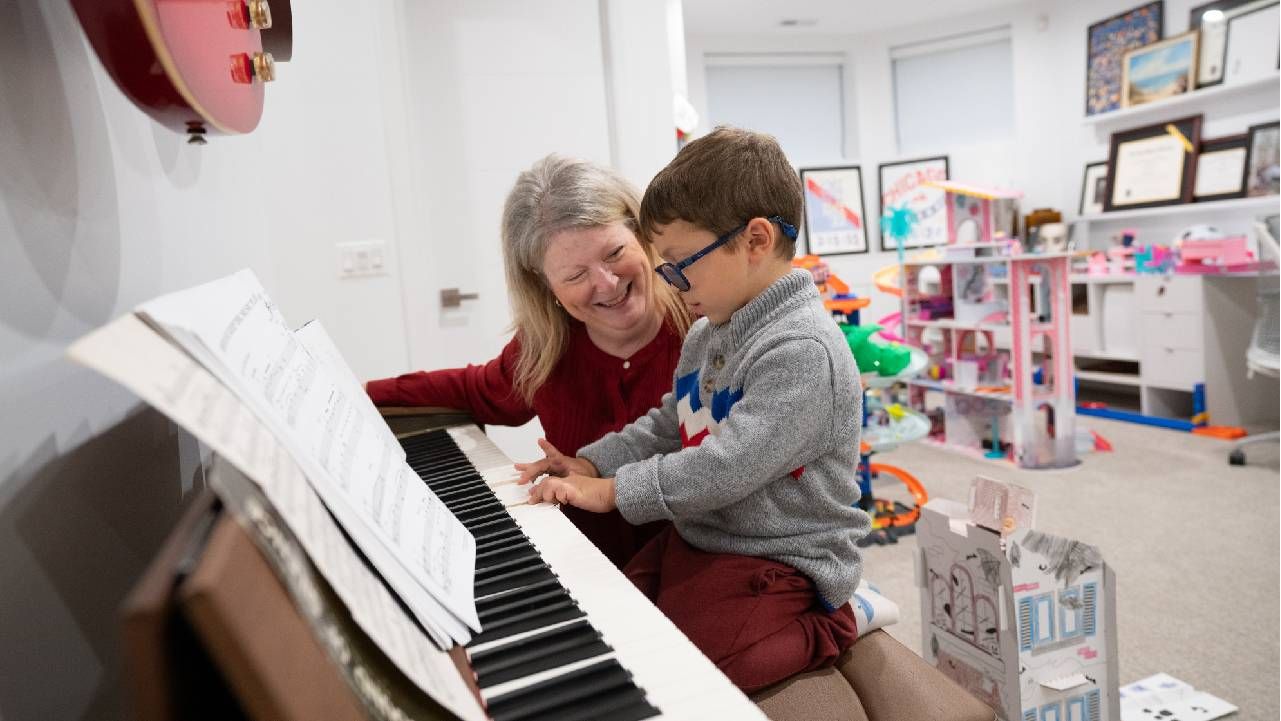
1212 20
1160 70
1262 171
1220 169
835 221
1106 42
1094 188
902 185
1253 45
1153 165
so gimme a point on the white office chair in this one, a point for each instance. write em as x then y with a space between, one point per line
1264 354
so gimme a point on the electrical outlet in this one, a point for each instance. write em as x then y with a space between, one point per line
362 258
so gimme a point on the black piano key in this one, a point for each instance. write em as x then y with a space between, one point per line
475 504
505 567
627 705
507 557
535 587
533 620
512 580
481 515
560 692
495 525
506 539
542 659
462 492
517 656
502 607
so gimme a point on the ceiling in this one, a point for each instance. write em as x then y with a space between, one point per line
833 17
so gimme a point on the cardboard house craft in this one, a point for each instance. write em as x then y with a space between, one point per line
1024 620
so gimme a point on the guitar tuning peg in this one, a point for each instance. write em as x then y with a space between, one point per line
259 14
264 67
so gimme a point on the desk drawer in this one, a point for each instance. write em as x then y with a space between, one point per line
1172 330
1168 294
1169 367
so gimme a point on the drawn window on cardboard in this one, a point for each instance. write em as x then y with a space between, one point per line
963 610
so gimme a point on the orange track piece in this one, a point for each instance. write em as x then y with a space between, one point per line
1225 432
918 493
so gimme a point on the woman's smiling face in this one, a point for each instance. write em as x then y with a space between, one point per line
601 276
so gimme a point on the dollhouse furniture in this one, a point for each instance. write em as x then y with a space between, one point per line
1004 313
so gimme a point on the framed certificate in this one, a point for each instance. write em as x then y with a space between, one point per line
1253 45
1212 20
1094 189
1263 160
835 221
902 186
1220 169
1153 165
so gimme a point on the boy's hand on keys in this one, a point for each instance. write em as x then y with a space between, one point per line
554 463
586 492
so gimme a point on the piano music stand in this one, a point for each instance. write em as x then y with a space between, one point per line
211 632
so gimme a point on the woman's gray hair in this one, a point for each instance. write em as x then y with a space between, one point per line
559 193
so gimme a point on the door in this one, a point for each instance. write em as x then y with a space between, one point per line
490 86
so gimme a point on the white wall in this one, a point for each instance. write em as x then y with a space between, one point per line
101 209
493 86
1046 154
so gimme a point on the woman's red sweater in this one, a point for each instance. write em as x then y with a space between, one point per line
589 393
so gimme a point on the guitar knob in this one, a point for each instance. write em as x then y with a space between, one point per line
264 67
259 14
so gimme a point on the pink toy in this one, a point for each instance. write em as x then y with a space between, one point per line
1215 255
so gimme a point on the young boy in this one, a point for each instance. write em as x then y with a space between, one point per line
752 457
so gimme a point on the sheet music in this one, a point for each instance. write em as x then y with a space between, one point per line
232 327
317 341
134 355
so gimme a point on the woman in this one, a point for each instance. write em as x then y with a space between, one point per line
596 338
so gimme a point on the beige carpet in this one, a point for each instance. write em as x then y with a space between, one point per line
1194 543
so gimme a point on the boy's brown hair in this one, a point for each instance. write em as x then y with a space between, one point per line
722 180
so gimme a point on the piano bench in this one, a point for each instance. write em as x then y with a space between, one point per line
877 679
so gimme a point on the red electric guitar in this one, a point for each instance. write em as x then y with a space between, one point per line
196 66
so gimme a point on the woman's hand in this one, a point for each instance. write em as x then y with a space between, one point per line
586 492
554 463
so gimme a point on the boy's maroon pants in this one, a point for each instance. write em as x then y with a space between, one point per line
759 621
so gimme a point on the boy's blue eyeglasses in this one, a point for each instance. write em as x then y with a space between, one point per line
674 274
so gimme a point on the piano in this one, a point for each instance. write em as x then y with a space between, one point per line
565 635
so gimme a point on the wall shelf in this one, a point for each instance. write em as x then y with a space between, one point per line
1197 101
1219 207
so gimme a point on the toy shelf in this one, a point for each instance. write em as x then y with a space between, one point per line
983 260
1190 103
953 324
1003 396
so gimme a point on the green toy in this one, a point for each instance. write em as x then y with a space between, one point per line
886 360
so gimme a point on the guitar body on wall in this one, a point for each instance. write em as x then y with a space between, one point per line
195 66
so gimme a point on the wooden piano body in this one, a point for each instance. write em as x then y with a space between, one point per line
230 621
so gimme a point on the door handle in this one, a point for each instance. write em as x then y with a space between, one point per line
452 297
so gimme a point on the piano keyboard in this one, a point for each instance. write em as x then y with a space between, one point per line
564 635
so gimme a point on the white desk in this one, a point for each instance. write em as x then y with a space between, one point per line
1162 335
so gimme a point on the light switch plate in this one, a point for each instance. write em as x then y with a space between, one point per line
362 258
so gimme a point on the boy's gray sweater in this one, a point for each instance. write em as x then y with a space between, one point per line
778 393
